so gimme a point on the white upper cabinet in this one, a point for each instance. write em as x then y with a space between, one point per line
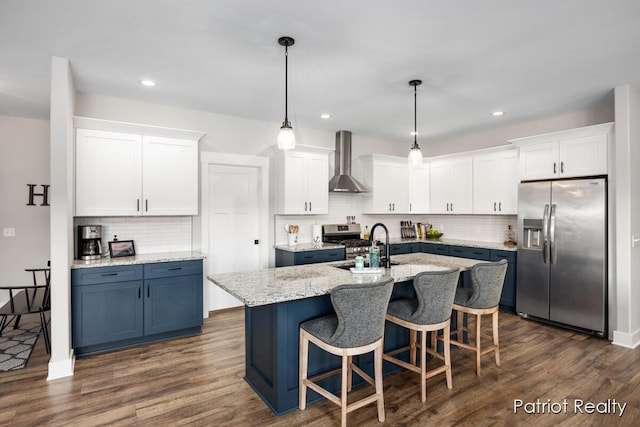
169 176
387 178
495 183
452 186
132 174
566 154
419 187
302 181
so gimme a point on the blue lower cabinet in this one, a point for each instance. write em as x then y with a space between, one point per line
289 258
111 311
435 248
398 248
508 297
469 252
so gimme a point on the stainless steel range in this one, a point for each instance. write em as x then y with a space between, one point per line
349 236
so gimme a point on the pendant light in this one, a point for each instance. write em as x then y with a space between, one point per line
415 154
286 138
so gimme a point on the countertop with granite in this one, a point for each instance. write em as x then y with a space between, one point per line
274 285
139 259
301 247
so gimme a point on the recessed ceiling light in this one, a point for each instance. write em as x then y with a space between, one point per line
325 116
497 113
148 83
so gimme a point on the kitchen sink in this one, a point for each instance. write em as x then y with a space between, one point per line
353 265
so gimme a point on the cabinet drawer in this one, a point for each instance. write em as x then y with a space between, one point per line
91 276
467 252
312 257
398 248
435 248
172 269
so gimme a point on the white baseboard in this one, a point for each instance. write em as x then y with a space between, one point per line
62 368
624 339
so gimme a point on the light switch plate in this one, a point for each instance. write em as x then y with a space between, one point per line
8 232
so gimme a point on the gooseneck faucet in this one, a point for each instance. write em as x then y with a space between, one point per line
387 255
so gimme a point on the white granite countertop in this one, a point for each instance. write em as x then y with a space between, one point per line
139 259
273 285
302 247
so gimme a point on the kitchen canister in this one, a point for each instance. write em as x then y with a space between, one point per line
316 233
374 257
292 239
359 263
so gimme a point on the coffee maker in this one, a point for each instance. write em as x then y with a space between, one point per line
89 242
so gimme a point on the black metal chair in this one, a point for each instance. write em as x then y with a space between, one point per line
28 299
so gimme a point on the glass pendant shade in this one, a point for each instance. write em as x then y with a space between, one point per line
415 155
286 137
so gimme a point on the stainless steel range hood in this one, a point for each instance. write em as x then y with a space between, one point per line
343 182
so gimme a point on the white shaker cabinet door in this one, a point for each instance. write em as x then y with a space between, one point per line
170 176
439 187
317 184
495 183
583 156
108 173
461 189
419 177
539 161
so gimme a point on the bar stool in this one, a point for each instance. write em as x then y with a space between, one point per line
356 328
487 279
429 311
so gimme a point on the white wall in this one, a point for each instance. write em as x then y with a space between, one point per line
626 178
61 221
24 159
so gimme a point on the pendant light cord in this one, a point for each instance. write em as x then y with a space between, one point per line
415 115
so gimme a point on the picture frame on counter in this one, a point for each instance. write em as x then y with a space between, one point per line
121 248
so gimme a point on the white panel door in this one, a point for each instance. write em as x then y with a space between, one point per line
233 225
108 173
539 161
170 176
583 156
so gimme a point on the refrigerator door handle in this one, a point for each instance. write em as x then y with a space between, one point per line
545 233
552 235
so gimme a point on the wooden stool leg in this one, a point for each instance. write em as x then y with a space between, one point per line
412 347
304 355
447 355
477 338
377 355
495 337
423 365
343 397
349 373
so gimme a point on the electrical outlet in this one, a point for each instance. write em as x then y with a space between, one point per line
8 232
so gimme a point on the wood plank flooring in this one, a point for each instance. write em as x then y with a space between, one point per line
199 381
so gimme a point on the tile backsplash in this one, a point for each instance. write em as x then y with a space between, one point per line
488 228
150 234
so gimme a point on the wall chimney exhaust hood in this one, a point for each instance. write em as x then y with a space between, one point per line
343 182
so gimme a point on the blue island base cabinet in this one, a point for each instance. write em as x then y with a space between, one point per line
116 307
272 349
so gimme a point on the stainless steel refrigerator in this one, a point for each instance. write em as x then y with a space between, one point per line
562 253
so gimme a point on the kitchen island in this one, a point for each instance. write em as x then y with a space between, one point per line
278 300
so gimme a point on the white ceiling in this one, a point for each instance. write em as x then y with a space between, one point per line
352 58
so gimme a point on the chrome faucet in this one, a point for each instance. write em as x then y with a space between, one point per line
387 255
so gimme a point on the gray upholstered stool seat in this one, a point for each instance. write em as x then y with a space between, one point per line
483 298
430 311
356 328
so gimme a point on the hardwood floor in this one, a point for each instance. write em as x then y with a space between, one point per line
199 381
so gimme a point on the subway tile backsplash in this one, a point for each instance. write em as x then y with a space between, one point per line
488 228
150 234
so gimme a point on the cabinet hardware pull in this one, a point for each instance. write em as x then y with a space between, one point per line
139 293
175 269
554 167
305 206
500 206
137 205
109 274
451 207
146 205
389 207
148 291
494 206
410 208
561 167
394 206
309 206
